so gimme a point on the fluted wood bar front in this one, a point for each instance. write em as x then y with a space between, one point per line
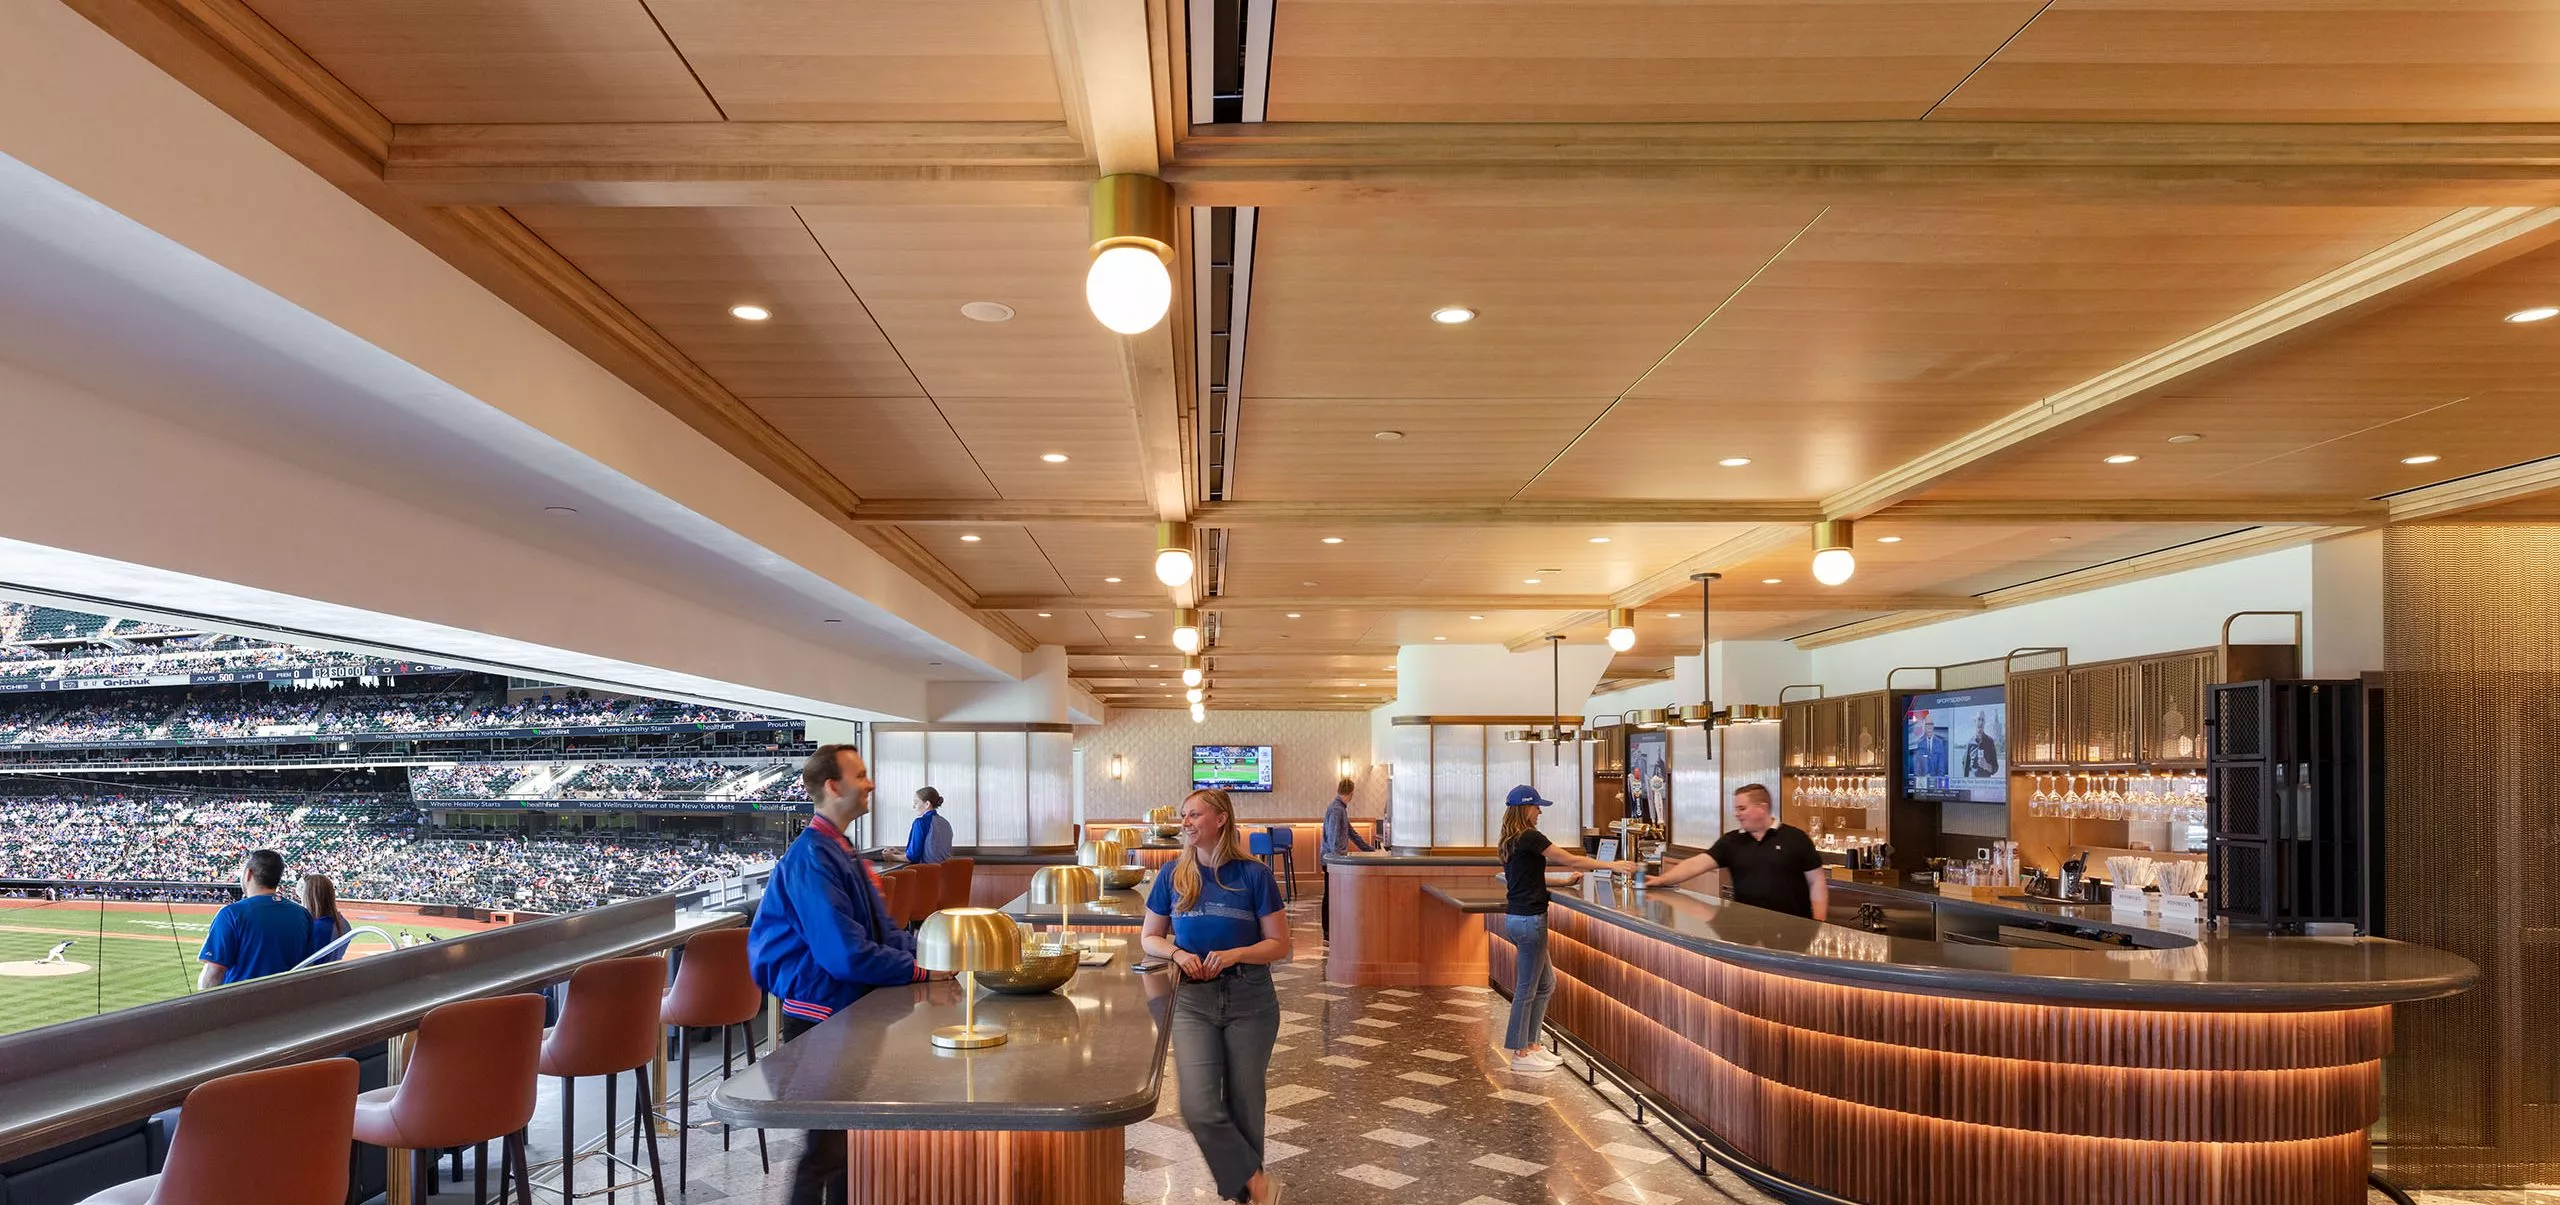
2233 1070
1386 934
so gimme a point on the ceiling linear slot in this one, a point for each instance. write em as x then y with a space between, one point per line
1230 60
1230 70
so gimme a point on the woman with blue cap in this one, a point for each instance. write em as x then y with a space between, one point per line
1526 853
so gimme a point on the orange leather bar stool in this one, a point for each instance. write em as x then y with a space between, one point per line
926 897
608 1026
896 887
714 990
470 1079
258 1138
956 874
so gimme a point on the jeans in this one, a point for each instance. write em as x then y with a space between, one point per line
817 1177
1533 979
1222 1035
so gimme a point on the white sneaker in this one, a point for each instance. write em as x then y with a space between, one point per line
1552 1058
1535 1064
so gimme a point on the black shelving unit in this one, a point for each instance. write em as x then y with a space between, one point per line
2290 832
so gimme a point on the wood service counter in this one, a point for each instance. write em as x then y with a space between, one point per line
1894 1070
1384 935
1040 1118
1306 848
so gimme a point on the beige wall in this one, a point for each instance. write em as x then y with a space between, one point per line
1157 746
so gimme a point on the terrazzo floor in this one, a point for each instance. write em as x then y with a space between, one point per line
1377 1095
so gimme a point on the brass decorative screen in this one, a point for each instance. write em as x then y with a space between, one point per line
1830 716
1866 732
2102 713
1795 722
2039 734
2471 629
2173 690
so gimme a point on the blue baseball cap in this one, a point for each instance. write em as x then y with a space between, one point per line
1525 796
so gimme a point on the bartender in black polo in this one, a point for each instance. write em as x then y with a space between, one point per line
1774 866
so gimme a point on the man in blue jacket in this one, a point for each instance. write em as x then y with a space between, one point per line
822 937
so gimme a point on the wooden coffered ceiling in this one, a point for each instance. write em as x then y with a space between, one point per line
1924 265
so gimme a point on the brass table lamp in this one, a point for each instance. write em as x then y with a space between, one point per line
1106 852
1066 886
1129 837
968 940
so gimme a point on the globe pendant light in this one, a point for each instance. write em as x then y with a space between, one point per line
1191 673
1128 285
1186 630
1622 629
1174 562
1833 563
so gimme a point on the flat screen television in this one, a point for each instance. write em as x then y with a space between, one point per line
1955 746
1231 767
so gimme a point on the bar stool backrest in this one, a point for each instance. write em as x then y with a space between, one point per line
893 892
276 1137
956 876
925 891
471 1074
713 985
1284 838
1258 844
609 1024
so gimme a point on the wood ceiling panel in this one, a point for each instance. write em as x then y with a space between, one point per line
1612 60
1060 628
1315 449
866 60
1500 560
1002 560
896 447
1090 554
1280 560
1571 302
497 60
2440 374
916 266
681 269
2274 60
1954 559
1008 436
1883 334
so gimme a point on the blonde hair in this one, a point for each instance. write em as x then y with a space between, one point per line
1516 821
1186 868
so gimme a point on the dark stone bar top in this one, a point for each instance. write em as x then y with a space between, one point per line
1116 909
1089 1056
2235 972
1414 858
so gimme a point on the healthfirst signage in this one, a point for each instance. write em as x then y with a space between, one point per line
315 738
228 677
615 805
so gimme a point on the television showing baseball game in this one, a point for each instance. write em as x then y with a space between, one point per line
1231 767
1955 746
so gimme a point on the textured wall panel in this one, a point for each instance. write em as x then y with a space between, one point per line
1004 788
1457 786
2471 639
1697 811
951 766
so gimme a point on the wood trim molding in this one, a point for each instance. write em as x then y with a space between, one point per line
927 512
933 512
2450 498
2461 243
1425 721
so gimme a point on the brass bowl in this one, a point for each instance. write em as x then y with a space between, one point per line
1121 878
1167 832
1043 968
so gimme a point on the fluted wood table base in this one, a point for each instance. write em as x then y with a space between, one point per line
985 1167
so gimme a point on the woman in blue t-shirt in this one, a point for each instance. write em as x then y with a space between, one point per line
1216 914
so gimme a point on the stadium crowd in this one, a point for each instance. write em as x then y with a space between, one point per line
230 711
374 847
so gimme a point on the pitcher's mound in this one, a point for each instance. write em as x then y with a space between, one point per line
41 970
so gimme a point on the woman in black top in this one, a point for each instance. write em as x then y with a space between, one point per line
1526 854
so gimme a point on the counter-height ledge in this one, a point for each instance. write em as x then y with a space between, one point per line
1115 910
1384 937
1901 1071
1041 1117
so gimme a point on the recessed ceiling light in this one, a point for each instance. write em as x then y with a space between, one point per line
560 510
2187 438
1141 636
1045 615
2059 540
1112 580
1294 615
933 663
757 313
1439 638
1054 457
1306 583
987 311
1333 539
1599 539
1734 462
1152 665
1128 615
1475 617
1359 684
1452 315
1671 615
2123 458
2430 459
1388 436
831 621
1531 581
1888 539
1771 581
2536 314
969 539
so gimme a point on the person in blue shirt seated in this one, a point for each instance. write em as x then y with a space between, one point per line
929 838
822 937
1217 915
320 898
261 933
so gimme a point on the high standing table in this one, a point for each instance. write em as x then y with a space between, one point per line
1041 1118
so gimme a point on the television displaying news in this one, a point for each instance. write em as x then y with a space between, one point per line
1955 746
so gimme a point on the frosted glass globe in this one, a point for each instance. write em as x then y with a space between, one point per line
1173 566
1128 289
1187 639
1832 566
1622 639
1191 676
1193 695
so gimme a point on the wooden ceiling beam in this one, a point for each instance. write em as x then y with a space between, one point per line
741 163
1313 650
2255 511
1899 162
1757 602
919 512
2449 499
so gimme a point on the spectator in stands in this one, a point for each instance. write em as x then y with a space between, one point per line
320 896
822 938
929 838
261 933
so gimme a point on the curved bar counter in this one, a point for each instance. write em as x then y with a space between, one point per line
1383 936
1898 1070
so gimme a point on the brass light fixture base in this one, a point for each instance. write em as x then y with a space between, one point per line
969 1037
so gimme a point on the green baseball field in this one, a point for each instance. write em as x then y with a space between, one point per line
124 954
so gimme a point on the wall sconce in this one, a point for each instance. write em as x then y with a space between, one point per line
1342 767
1119 768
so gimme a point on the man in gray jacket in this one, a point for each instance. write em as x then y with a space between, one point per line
1338 839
